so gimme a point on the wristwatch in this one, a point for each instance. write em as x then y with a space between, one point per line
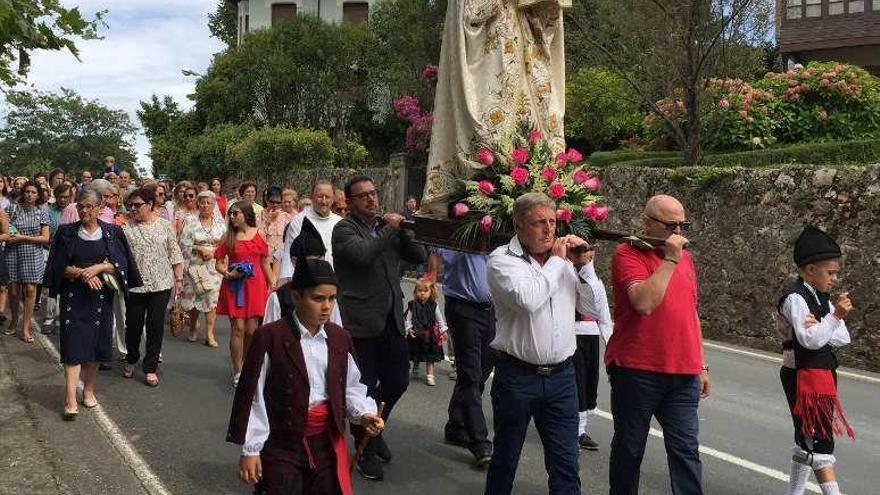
705 368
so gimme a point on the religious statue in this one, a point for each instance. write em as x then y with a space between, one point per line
502 64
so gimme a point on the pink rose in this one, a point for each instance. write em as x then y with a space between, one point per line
486 157
562 159
592 183
519 175
596 213
485 224
520 156
724 103
556 190
549 174
563 214
574 156
459 210
534 136
486 187
580 176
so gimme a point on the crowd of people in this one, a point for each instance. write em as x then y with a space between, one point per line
321 338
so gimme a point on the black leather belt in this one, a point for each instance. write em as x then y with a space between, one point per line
480 305
537 369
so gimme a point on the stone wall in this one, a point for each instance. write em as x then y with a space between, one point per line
744 225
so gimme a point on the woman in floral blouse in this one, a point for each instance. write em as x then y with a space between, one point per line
158 257
201 282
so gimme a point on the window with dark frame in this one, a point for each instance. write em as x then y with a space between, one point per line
283 12
813 8
355 12
856 6
836 7
794 9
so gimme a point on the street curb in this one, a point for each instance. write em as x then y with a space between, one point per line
148 479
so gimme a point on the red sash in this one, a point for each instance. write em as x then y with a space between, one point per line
817 405
319 423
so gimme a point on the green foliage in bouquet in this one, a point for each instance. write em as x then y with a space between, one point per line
521 163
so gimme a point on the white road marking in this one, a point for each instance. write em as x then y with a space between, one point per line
149 480
777 359
729 458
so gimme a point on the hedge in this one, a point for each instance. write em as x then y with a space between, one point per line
605 158
832 153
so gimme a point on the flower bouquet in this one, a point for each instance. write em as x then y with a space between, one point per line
524 162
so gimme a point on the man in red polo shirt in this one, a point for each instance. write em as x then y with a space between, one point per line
655 355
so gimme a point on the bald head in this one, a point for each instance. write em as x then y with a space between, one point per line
662 211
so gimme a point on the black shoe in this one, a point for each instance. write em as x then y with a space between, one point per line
458 440
104 367
587 443
482 457
382 450
370 467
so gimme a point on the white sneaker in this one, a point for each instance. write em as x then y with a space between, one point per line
430 380
235 378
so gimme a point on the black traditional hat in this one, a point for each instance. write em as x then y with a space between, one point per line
308 242
311 273
813 246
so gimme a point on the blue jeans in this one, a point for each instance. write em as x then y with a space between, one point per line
638 395
518 396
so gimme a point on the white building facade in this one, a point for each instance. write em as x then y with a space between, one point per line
259 14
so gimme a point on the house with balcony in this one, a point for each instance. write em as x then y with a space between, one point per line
839 30
259 14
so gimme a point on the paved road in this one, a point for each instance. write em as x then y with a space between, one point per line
179 429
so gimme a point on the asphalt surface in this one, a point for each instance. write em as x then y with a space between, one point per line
179 430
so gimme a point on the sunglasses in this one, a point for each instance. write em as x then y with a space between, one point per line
134 205
671 226
190 196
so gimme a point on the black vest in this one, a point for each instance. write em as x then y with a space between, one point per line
823 358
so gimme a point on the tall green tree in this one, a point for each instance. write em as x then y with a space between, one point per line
47 130
670 49
28 25
223 23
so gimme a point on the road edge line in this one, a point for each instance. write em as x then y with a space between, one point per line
728 458
776 359
150 481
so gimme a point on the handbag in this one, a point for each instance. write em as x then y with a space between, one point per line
203 280
177 319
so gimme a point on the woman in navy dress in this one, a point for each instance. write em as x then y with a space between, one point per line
89 261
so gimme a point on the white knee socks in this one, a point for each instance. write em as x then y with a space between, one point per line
798 477
582 422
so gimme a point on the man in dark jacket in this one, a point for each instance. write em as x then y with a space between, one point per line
367 250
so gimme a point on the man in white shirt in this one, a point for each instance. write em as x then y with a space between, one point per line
321 217
536 282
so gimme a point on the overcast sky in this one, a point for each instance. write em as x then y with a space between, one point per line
146 44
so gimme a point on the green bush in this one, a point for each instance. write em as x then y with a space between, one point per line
210 154
600 110
272 151
837 153
605 158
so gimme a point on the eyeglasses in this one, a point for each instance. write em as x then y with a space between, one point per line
365 195
80 206
235 212
190 196
274 202
135 206
671 226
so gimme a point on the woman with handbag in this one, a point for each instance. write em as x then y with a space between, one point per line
242 258
201 282
88 262
25 232
158 256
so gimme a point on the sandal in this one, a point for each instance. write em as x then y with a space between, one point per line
152 380
69 414
127 370
90 403
211 343
27 340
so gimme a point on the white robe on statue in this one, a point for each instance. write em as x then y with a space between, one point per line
502 64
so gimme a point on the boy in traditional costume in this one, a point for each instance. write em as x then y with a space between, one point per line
812 328
298 387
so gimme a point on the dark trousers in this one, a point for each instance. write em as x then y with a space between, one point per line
149 307
638 395
519 395
472 327
384 365
586 370
287 473
788 376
